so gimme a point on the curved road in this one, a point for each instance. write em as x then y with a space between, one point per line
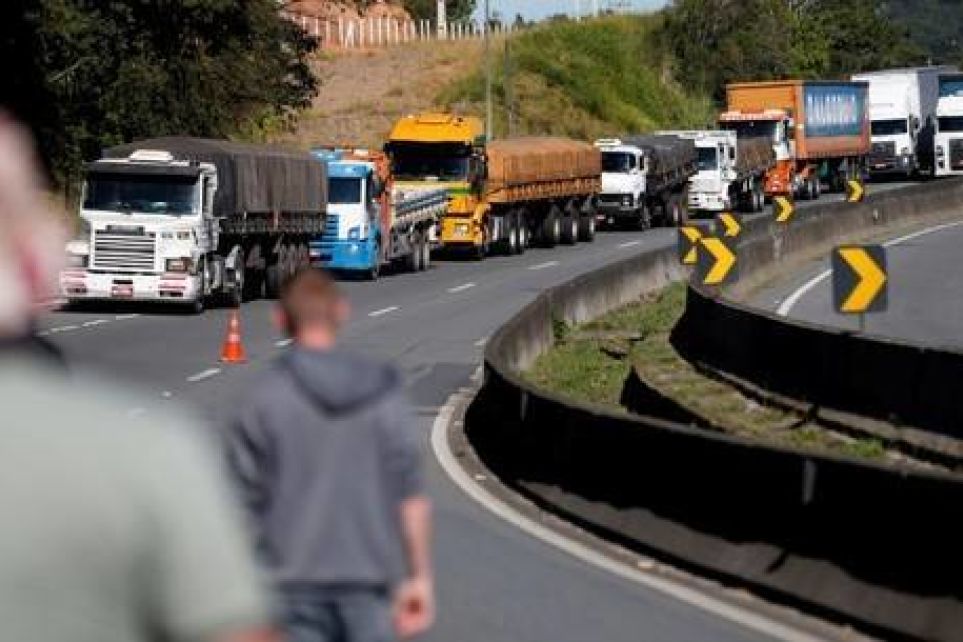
925 297
494 581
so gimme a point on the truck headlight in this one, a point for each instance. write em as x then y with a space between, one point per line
184 235
354 233
77 260
177 265
939 150
628 200
904 152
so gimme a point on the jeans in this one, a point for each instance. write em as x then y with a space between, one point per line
336 614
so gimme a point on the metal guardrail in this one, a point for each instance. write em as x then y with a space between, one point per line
873 544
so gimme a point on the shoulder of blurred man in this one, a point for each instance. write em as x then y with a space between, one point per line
120 493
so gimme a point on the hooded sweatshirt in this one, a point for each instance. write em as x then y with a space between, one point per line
324 451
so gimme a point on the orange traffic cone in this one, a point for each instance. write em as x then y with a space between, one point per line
233 350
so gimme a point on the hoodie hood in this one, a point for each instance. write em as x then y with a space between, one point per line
337 381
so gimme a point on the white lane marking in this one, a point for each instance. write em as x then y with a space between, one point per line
749 619
481 342
283 343
383 311
90 324
167 394
542 266
124 317
205 374
43 333
787 305
461 288
62 328
629 244
133 413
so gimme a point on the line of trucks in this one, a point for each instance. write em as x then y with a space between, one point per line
189 221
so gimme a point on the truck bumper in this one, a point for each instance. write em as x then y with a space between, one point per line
707 202
461 232
81 285
883 165
607 211
344 255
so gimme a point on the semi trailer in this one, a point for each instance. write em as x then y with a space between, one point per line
731 172
819 130
645 179
372 222
949 125
182 220
902 111
502 194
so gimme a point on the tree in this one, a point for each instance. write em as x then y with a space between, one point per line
427 9
92 73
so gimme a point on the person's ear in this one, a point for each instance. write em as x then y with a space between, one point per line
281 321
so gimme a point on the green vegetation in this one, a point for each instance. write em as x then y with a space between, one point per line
936 26
583 79
86 74
717 41
426 9
592 361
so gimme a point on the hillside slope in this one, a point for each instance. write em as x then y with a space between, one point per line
584 79
363 92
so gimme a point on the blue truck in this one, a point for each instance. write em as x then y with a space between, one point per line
371 223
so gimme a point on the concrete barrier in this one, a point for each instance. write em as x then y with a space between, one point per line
867 543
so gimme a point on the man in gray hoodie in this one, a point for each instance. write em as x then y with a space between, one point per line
326 455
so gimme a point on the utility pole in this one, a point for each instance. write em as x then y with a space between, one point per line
488 74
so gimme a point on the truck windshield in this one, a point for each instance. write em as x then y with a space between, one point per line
618 162
889 127
752 128
951 87
142 193
443 162
708 159
344 190
951 124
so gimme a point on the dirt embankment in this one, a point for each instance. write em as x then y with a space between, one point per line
363 93
332 10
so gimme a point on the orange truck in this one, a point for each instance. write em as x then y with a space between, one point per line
820 131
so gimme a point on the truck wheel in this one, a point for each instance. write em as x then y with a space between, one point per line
425 254
675 213
570 228
374 271
514 234
414 259
586 228
552 228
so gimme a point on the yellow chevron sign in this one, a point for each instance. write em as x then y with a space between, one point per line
854 191
716 262
859 279
689 244
728 225
784 209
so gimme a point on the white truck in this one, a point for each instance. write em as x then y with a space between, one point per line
902 111
949 125
644 180
183 220
731 171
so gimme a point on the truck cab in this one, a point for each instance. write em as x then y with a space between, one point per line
352 234
778 126
710 189
431 151
949 126
147 226
894 128
623 180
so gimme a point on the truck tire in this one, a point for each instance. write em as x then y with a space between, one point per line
372 273
675 212
524 235
552 227
414 259
570 227
586 228
425 254
272 279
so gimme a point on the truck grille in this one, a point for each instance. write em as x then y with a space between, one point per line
887 149
331 227
127 252
956 153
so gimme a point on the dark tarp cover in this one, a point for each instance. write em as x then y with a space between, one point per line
667 153
255 179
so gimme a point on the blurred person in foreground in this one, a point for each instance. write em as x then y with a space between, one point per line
115 529
326 455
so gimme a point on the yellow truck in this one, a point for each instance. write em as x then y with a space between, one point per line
503 195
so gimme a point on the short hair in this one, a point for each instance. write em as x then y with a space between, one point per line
310 297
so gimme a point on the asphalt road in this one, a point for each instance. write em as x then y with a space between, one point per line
925 291
494 582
